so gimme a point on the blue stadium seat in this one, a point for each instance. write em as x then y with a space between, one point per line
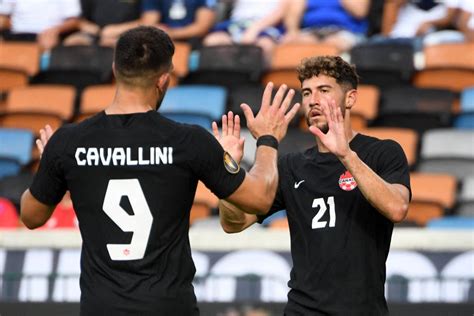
207 100
9 167
451 222
466 116
16 144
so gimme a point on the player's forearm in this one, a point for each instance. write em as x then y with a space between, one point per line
256 194
234 220
271 19
69 25
385 197
200 27
32 212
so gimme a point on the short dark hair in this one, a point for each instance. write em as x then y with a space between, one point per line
332 66
141 54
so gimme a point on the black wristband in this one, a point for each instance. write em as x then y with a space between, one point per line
268 140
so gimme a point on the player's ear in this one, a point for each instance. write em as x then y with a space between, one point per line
163 81
351 98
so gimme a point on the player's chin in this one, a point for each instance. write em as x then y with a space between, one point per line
323 126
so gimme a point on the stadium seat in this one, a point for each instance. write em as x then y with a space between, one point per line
452 222
20 55
447 66
386 62
465 201
447 151
8 214
12 78
416 108
432 196
32 107
9 167
95 99
465 118
449 55
206 100
15 150
227 65
12 187
407 138
16 144
366 107
287 57
94 59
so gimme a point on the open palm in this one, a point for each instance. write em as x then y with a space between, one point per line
230 138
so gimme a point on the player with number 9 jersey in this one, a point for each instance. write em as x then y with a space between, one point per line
132 175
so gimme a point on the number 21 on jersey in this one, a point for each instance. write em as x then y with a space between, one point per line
139 223
322 205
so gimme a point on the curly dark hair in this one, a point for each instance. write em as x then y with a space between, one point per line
332 66
142 53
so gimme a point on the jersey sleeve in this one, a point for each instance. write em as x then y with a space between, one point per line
278 202
392 165
209 164
49 184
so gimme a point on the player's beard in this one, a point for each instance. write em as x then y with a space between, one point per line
324 128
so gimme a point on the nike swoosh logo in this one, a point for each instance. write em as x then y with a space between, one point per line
297 184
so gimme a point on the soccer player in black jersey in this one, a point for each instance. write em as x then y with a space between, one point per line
132 175
342 197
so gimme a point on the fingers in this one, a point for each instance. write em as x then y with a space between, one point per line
40 146
49 131
292 112
248 113
267 97
215 130
224 125
316 131
279 96
287 101
237 126
230 123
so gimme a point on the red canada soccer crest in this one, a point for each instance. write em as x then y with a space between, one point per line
347 182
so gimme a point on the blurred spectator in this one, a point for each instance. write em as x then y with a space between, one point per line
44 21
438 22
251 22
466 20
342 23
183 20
100 24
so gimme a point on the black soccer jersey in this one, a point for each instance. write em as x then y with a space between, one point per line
339 242
132 180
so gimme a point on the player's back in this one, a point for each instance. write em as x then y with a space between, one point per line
132 181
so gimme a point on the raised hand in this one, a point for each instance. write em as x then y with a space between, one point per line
230 138
273 117
335 140
45 135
